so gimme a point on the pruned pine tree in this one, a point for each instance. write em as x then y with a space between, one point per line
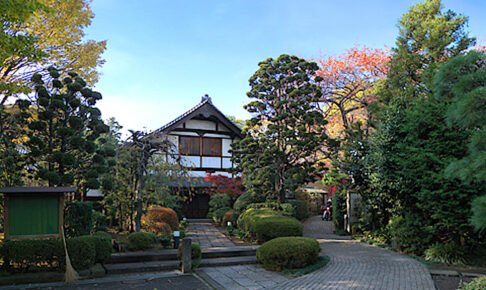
278 152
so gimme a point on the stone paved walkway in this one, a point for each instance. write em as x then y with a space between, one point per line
353 265
202 232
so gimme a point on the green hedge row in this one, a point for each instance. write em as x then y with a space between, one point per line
48 254
264 224
288 253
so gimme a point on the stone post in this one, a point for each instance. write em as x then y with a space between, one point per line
186 255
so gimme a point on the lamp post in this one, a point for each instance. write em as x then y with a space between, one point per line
177 235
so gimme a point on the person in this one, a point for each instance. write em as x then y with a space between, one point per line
326 215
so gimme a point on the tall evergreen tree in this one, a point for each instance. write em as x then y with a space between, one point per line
277 154
61 141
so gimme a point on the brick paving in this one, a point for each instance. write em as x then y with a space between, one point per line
204 233
353 265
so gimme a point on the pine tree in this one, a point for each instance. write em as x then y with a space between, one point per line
61 140
277 154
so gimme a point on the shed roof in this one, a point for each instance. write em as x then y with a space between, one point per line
40 190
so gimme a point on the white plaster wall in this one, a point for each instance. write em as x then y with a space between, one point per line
226 147
190 161
213 162
200 124
187 134
216 135
223 128
226 163
222 173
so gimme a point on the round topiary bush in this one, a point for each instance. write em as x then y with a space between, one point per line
288 253
277 226
141 241
247 220
159 215
228 217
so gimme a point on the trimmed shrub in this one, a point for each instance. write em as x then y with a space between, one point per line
158 215
32 255
141 241
219 204
277 226
245 199
103 247
247 220
300 208
78 218
82 251
100 220
48 254
284 208
446 253
288 253
228 217
103 235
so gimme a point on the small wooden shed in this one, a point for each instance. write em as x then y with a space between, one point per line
33 212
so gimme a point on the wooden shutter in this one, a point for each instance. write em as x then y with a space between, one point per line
211 147
189 145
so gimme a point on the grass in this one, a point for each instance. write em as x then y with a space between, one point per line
321 262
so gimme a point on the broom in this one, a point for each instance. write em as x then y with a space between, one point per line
71 274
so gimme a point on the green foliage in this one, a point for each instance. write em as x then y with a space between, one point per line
219 204
58 140
282 92
288 253
140 241
321 262
446 253
245 199
78 218
284 208
277 226
339 209
103 246
82 251
32 255
263 224
300 208
478 219
100 220
165 239
409 233
475 284
247 220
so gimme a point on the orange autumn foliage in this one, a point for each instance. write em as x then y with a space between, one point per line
348 85
155 218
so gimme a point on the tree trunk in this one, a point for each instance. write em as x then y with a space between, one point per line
138 202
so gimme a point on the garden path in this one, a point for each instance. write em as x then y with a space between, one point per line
353 265
203 232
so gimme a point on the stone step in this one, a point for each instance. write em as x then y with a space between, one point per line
171 254
219 252
228 261
146 256
197 221
151 266
154 266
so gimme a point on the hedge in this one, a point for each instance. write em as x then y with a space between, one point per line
288 253
78 218
300 208
264 224
48 254
141 241
277 226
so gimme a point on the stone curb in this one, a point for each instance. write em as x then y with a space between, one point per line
145 276
453 273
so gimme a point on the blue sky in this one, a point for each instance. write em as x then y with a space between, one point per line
162 56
